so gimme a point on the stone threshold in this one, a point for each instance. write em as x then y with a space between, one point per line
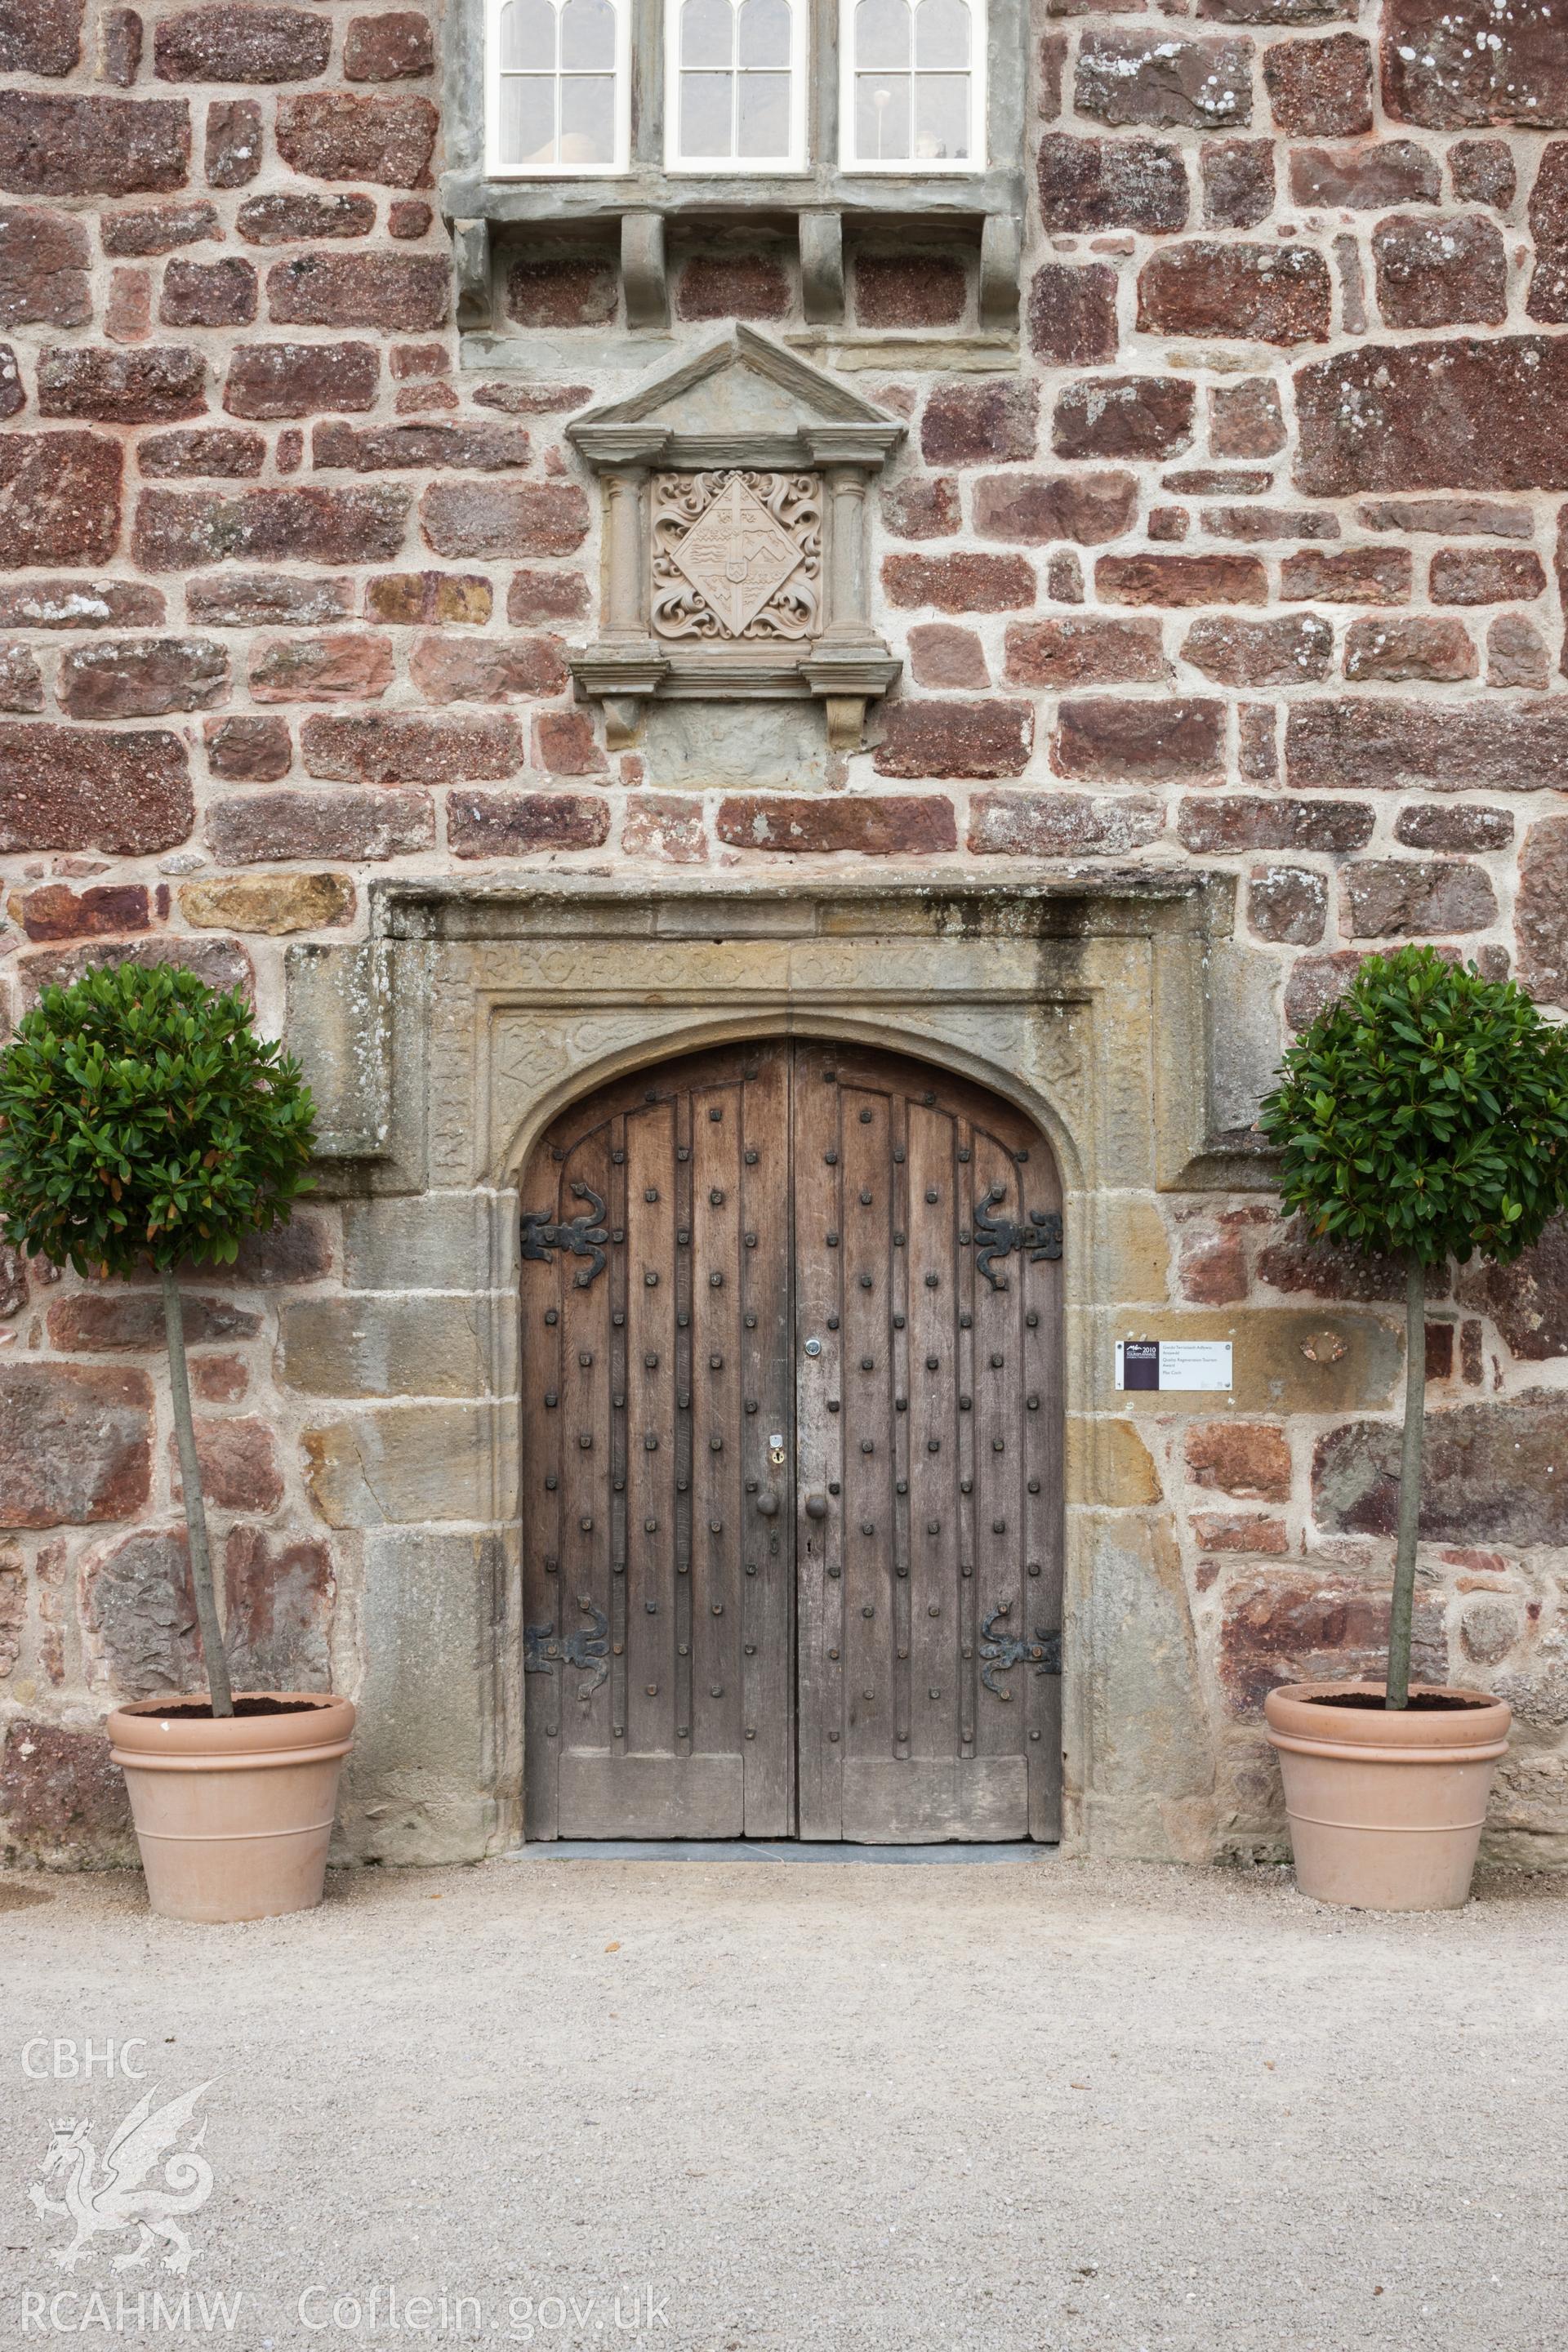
765 1850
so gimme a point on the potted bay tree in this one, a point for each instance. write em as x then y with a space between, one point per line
1422 1117
143 1126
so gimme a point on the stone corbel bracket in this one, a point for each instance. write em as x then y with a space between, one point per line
472 261
741 403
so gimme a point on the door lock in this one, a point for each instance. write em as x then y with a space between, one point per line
814 1346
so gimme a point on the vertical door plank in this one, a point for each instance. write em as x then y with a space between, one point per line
680 1401
901 1376
541 1354
1044 1475
766 1378
584 1602
866 1250
818 1266
650 1555
1000 1444
717 1442
615 1276
963 1666
934 1447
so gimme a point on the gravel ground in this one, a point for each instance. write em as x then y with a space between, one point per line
1052 2105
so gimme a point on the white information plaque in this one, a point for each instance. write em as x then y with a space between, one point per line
1174 1364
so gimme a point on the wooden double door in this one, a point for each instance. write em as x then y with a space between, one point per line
792 1468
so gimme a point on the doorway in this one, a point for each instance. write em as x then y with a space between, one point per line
792 1455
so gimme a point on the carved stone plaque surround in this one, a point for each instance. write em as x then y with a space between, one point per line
735 561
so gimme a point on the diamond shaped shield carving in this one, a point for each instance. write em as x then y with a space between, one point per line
736 557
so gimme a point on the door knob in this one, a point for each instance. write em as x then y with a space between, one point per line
817 1506
768 1504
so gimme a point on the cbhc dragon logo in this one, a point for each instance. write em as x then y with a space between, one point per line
100 2201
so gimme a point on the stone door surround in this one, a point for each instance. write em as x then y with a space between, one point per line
441 1049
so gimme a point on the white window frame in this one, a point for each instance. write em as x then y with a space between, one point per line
620 160
726 166
915 166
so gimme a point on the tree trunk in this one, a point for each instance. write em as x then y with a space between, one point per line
214 1656
1403 1611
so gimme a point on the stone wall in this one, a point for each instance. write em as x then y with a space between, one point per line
1251 560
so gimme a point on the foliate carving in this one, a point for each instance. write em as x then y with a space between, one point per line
736 554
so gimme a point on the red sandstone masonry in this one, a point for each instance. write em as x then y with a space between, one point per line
959 583
1114 739
175 529
875 828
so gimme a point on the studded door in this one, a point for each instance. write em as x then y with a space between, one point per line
658 1528
791 1480
928 1240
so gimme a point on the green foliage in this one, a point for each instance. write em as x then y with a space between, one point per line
142 1119
1424 1114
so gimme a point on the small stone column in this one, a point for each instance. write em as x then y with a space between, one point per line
848 616
625 499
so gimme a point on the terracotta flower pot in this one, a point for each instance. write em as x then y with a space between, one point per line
1385 1809
232 1817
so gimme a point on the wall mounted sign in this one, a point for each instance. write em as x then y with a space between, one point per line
1173 1364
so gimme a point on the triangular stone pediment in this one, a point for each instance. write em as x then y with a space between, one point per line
742 397
728 400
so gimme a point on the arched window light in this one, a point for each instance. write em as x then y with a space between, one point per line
913 94
559 85
735 93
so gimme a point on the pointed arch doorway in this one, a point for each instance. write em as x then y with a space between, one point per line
791 1481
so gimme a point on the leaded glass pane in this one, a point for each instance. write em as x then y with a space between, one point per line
707 33
881 34
882 116
706 129
587 121
528 37
588 36
528 121
942 116
942 33
764 115
766 33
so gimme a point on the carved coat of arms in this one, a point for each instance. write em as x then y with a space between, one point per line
736 554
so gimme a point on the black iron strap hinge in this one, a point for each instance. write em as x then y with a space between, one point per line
583 1236
587 1650
1040 1237
1002 1651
